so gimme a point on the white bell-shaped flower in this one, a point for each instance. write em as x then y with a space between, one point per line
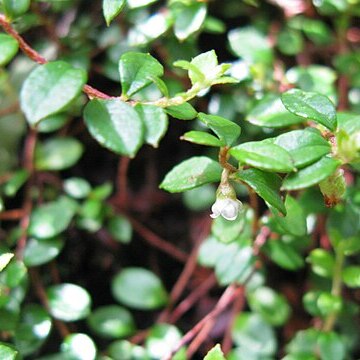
226 207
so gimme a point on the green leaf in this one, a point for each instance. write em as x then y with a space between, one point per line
251 45
115 125
331 346
5 259
304 146
227 231
111 321
155 121
188 18
17 180
139 3
39 252
136 70
51 219
304 345
311 106
200 198
253 335
161 340
322 262
271 306
112 8
270 112
78 346
283 255
191 173
351 276
184 111
8 48
76 187
14 9
263 155
52 123
215 354
68 302
209 251
202 138
226 130
139 288
125 350
14 274
7 353
328 303
290 42
28 338
311 175
58 153
120 228
266 185
203 67
49 89
294 222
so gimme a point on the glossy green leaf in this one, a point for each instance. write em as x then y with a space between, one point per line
8 48
58 153
5 260
305 146
202 138
138 3
331 346
311 106
191 173
139 288
351 276
188 18
14 9
68 302
120 228
252 334
273 307
304 344
155 122
52 123
215 354
322 262
226 130
14 273
311 175
76 187
294 222
270 112
111 321
39 252
266 185
136 70
125 350
263 155
329 303
49 89
51 219
7 353
78 346
115 125
28 336
112 8
161 340
184 111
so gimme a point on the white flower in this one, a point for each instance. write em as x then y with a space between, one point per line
227 208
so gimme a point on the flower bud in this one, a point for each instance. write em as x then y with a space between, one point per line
333 188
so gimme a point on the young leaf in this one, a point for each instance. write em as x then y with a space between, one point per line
304 146
322 262
202 67
311 175
115 125
263 155
136 70
265 184
191 173
112 8
184 111
227 131
202 138
8 48
155 122
14 9
139 288
270 112
49 89
7 353
311 106
215 354
188 18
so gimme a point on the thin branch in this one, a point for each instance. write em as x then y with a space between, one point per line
122 189
10 109
14 215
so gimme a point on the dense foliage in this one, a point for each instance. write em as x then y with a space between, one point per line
249 109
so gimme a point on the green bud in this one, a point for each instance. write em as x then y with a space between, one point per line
333 188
